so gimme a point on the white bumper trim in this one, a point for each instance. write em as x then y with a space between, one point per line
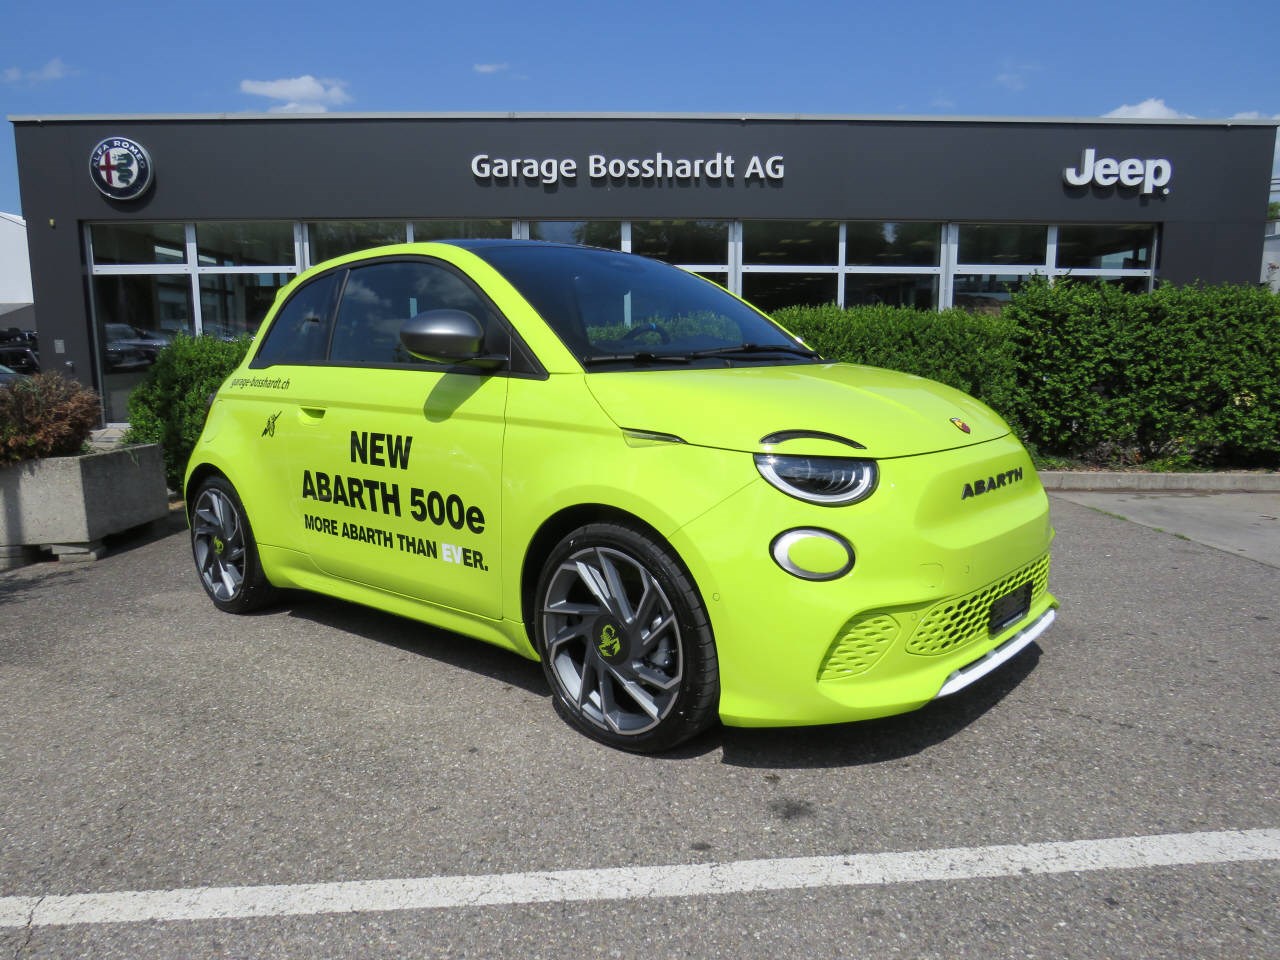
997 657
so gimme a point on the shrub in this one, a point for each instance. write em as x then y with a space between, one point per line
169 406
1181 377
972 352
46 416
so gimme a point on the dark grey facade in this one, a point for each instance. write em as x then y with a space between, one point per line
1194 193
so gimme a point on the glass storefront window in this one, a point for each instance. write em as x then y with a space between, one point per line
333 238
1003 243
721 278
791 242
682 241
590 233
245 245
1110 247
425 230
773 291
138 243
894 289
892 244
137 316
986 292
233 304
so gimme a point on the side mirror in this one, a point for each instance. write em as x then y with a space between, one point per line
443 335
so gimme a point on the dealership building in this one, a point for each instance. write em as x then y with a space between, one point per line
140 228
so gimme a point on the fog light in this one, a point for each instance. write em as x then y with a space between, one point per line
812 554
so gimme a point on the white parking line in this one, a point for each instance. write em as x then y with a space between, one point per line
629 883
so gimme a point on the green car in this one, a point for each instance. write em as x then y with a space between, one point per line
615 467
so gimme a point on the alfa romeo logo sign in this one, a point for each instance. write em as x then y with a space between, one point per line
121 168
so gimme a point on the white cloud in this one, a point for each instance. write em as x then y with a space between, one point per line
55 69
303 94
1153 108
490 67
1014 76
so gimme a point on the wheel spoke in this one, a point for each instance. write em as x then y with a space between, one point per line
621 604
639 696
231 578
585 678
649 637
569 608
646 608
595 582
654 677
570 631
608 706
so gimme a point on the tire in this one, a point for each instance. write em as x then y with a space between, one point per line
625 640
224 549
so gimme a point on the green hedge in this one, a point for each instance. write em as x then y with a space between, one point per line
169 406
1181 378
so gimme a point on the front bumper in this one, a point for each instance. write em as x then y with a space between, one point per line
913 616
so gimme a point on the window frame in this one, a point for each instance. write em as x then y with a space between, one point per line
521 361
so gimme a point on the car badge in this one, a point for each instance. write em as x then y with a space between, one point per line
961 425
121 168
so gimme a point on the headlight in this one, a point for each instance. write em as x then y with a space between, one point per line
827 481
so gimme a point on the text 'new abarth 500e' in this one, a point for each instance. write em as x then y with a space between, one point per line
615 467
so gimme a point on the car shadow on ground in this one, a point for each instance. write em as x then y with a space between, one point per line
875 741
420 639
840 745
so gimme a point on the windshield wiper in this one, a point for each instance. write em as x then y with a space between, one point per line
642 357
746 349
761 351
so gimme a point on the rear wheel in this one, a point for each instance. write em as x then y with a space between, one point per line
625 640
224 549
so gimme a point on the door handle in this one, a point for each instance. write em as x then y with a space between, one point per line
311 414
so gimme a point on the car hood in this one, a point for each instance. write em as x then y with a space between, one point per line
890 414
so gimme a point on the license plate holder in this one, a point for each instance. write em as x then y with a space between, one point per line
1009 609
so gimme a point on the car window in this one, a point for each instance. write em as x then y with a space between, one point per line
378 299
300 333
614 305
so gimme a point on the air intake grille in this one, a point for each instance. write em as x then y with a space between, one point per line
958 621
859 645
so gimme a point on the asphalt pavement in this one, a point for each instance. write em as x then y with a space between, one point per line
1113 792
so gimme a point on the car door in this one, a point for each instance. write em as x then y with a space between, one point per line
391 466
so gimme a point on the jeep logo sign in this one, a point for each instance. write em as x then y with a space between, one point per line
1146 175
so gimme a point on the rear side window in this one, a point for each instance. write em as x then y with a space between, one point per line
300 333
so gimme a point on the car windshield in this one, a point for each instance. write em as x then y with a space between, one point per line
616 309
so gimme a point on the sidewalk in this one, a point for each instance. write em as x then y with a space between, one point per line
1236 482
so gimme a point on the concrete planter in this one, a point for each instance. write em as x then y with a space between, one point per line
68 504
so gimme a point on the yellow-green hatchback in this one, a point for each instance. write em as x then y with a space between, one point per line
613 466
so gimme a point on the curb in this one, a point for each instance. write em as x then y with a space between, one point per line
1160 482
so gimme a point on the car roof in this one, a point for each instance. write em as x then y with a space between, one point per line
493 243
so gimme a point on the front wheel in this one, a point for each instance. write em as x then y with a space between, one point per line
224 549
625 640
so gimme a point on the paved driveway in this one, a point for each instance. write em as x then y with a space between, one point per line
1113 793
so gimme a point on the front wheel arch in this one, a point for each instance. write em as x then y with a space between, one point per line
625 638
558 526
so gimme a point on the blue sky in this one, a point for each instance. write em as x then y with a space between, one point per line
1074 59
